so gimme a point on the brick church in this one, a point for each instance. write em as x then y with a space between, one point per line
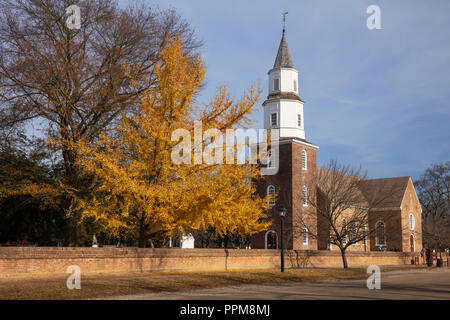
396 223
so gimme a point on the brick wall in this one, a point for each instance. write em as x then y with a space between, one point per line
411 205
392 228
18 261
303 215
282 182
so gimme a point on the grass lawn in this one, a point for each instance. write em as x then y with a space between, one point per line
106 285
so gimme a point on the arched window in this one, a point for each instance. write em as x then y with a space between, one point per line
412 221
271 240
270 161
304 158
355 233
305 235
305 196
271 194
344 231
380 239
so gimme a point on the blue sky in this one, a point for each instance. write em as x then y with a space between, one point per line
379 98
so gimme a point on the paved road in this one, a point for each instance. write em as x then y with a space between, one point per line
404 285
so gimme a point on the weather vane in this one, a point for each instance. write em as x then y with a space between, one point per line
284 20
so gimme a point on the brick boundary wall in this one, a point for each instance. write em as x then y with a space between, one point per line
23 261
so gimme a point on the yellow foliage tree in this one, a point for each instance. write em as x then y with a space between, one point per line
138 187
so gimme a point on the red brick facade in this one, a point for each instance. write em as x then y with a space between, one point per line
289 183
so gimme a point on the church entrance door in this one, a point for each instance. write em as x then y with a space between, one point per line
271 240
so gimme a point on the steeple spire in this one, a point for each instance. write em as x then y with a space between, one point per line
283 108
283 59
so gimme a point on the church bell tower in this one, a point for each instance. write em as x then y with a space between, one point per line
295 180
283 109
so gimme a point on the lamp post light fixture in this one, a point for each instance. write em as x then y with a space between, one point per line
282 211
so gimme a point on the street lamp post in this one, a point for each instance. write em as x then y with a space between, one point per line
282 211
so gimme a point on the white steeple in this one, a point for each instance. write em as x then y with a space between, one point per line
283 109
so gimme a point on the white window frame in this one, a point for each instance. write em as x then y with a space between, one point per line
377 240
271 190
295 86
355 233
275 82
345 231
305 235
270 161
276 119
329 245
305 196
267 235
299 120
412 223
304 160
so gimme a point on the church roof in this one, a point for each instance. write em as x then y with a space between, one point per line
283 59
374 193
334 182
390 191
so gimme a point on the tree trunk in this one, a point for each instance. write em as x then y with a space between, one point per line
142 236
344 258
71 219
142 232
142 239
71 234
72 181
